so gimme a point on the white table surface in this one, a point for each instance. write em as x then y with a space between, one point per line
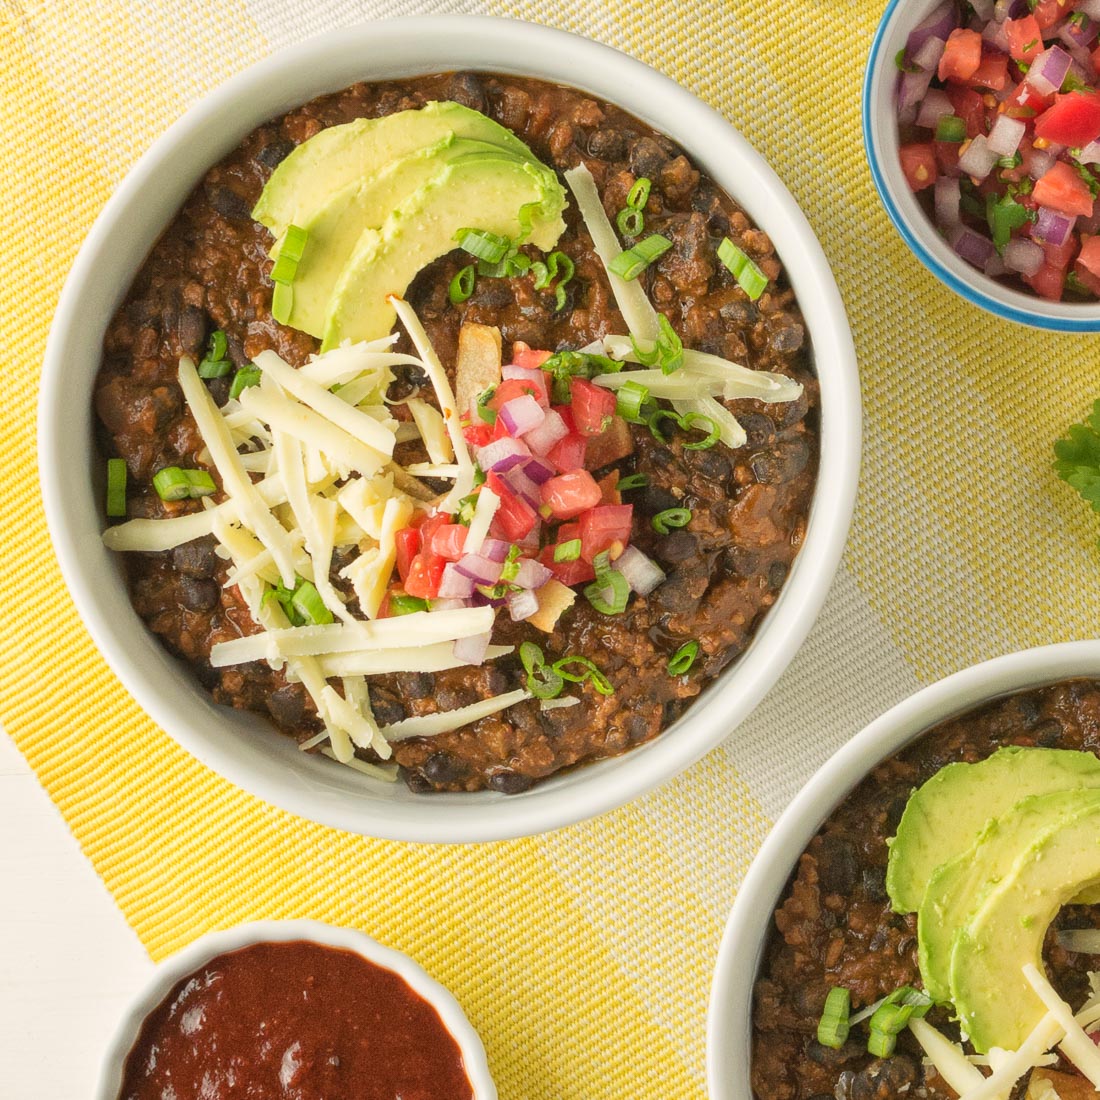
69 963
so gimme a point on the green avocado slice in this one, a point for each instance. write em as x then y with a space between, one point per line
945 816
335 228
499 194
958 888
339 156
996 1006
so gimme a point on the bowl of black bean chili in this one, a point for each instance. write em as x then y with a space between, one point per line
722 514
821 988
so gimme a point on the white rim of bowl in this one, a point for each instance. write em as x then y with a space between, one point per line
880 132
727 156
729 1015
205 948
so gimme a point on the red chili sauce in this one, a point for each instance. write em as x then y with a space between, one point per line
294 1021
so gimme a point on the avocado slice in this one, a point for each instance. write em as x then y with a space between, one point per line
499 194
945 816
335 228
958 889
341 155
996 1006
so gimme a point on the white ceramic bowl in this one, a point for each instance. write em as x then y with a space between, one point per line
244 747
880 133
750 922
199 953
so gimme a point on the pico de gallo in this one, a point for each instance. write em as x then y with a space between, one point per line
999 116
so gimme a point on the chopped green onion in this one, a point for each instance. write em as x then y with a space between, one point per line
462 285
482 244
1011 162
530 656
214 368
116 488
244 379
629 401
464 514
171 484
669 518
588 672
568 551
559 297
833 1027
667 351
284 597
654 423
542 681
541 274
749 277
609 593
402 604
601 563
951 128
638 195
886 1024
682 660
1004 217
565 365
632 481
697 420
308 603
631 222
282 302
214 364
631 263
201 483
218 346
291 250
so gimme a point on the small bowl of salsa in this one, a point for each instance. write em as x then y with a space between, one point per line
294 1008
982 128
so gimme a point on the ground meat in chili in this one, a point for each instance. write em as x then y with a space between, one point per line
834 925
725 570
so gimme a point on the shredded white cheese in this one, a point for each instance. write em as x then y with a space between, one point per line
422 658
432 430
950 1062
484 511
428 725
1076 1045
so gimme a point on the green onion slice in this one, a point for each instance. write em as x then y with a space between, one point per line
282 302
833 1027
116 488
568 551
654 423
402 604
171 484
200 482
214 368
631 222
462 285
682 660
588 671
308 603
542 681
632 481
630 264
218 345
701 423
291 250
609 593
638 195
749 277
483 245
664 521
629 400
245 378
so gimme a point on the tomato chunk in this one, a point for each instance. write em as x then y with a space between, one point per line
593 406
425 573
407 541
517 387
568 453
1025 38
529 358
448 540
1048 12
569 573
1026 102
962 56
1062 189
992 73
968 105
918 162
1087 265
1073 120
515 519
1047 282
604 526
477 435
567 495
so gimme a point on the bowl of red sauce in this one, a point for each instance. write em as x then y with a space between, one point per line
294 1008
982 129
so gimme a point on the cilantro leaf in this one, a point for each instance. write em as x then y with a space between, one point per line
1077 457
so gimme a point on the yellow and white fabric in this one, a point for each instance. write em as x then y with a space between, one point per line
583 957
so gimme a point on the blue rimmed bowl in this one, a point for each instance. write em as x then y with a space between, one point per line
880 133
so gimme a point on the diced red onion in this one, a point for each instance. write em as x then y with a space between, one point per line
454 585
480 569
1023 256
641 573
543 437
531 573
1090 7
1042 161
948 198
1006 135
1074 34
522 605
912 88
927 58
521 414
539 470
449 605
1081 66
994 266
1008 9
907 115
995 35
971 246
1048 70
472 650
939 23
502 454
978 160
1052 226
523 486
495 549
1091 153
1007 92
530 541
524 374
935 106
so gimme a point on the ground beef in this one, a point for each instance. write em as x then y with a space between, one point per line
835 927
210 270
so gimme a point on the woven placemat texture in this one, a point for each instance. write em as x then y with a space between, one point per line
583 957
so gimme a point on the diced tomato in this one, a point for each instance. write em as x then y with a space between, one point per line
568 453
477 435
408 546
567 495
425 573
962 56
566 413
609 493
569 573
448 540
992 73
1064 190
593 406
529 358
603 526
1060 255
1048 12
968 105
499 430
517 387
918 162
947 157
1095 58
614 443
1025 103
515 519
1025 38
1087 264
1073 120
1048 282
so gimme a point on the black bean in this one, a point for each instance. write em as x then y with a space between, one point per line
647 158
411 376
219 389
894 812
837 864
777 574
441 768
766 468
712 464
873 882
738 312
675 596
192 329
497 681
197 594
1048 734
827 1056
678 546
417 685
492 294
759 428
808 998
228 203
509 782
885 1079
387 709
167 405
467 89
287 706
607 143
196 558
637 727
275 152
142 311
739 561
787 338
415 781
718 225
656 499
